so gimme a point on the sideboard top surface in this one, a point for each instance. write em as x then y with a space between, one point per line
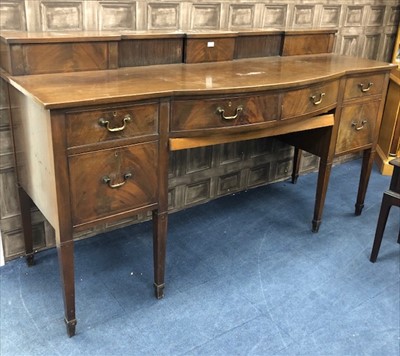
66 90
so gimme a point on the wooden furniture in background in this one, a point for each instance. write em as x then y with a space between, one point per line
388 146
94 146
390 198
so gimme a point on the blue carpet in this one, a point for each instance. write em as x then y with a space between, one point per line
245 276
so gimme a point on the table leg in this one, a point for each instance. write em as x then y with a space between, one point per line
25 206
66 263
367 162
296 164
322 187
160 223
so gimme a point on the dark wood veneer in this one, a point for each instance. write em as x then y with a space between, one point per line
78 171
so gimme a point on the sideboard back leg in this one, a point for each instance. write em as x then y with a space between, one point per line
296 164
367 162
25 206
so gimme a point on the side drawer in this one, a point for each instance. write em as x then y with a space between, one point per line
308 100
111 181
363 85
357 126
224 112
86 127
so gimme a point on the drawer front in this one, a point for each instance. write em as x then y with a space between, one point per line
309 100
111 124
224 112
365 85
357 126
199 50
112 181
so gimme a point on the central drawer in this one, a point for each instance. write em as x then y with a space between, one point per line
315 98
93 126
112 181
224 112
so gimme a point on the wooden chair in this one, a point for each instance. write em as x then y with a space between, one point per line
390 197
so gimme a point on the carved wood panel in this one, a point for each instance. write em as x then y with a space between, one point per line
366 28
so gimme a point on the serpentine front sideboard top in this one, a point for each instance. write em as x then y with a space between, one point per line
92 145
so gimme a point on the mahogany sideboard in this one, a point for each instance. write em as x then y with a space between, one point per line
94 123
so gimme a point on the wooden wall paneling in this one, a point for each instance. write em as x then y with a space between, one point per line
330 16
241 16
205 16
62 15
12 15
163 16
275 16
120 15
365 28
303 16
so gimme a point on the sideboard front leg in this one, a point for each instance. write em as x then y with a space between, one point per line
160 222
367 162
322 187
25 206
66 262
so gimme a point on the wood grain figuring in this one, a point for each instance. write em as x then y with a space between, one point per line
66 90
353 134
102 179
258 46
84 128
66 57
202 114
199 50
353 86
142 52
298 44
302 101
92 198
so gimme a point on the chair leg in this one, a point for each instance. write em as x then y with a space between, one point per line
380 228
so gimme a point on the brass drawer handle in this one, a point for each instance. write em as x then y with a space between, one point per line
106 123
356 127
314 97
107 180
364 90
221 111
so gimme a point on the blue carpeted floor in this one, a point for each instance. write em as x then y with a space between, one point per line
245 276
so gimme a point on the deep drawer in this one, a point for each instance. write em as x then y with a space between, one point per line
94 126
357 126
111 181
364 85
224 112
308 100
